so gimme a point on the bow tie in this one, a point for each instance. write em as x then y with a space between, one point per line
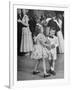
50 36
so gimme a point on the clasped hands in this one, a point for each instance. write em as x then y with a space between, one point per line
49 47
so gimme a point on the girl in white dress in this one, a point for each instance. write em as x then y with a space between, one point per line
40 52
26 42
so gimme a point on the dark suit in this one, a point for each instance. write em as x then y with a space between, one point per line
32 25
63 27
19 35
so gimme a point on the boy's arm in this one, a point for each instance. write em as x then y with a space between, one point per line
45 45
52 46
56 42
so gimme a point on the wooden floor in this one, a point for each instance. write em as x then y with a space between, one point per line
26 66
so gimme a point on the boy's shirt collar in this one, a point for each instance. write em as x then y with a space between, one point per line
51 36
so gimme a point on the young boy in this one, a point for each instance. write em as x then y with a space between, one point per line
53 45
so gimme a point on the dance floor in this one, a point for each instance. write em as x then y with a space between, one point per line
26 66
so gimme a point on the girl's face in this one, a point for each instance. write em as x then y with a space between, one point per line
52 32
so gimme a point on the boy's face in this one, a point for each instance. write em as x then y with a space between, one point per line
47 30
52 32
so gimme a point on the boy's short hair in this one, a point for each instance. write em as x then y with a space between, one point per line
53 25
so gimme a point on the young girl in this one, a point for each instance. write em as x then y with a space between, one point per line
53 54
40 52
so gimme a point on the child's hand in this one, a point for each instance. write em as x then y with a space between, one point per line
34 38
52 46
19 20
48 47
48 41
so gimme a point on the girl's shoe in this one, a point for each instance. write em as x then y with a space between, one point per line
36 72
46 75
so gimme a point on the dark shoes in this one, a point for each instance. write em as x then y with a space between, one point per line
51 72
46 75
35 72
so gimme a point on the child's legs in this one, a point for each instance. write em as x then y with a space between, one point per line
37 65
53 61
53 65
44 66
50 59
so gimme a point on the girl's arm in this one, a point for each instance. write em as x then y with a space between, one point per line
35 38
45 45
43 41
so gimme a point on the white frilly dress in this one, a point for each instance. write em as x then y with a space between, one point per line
39 51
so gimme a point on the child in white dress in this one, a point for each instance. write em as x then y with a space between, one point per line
40 52
53 52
